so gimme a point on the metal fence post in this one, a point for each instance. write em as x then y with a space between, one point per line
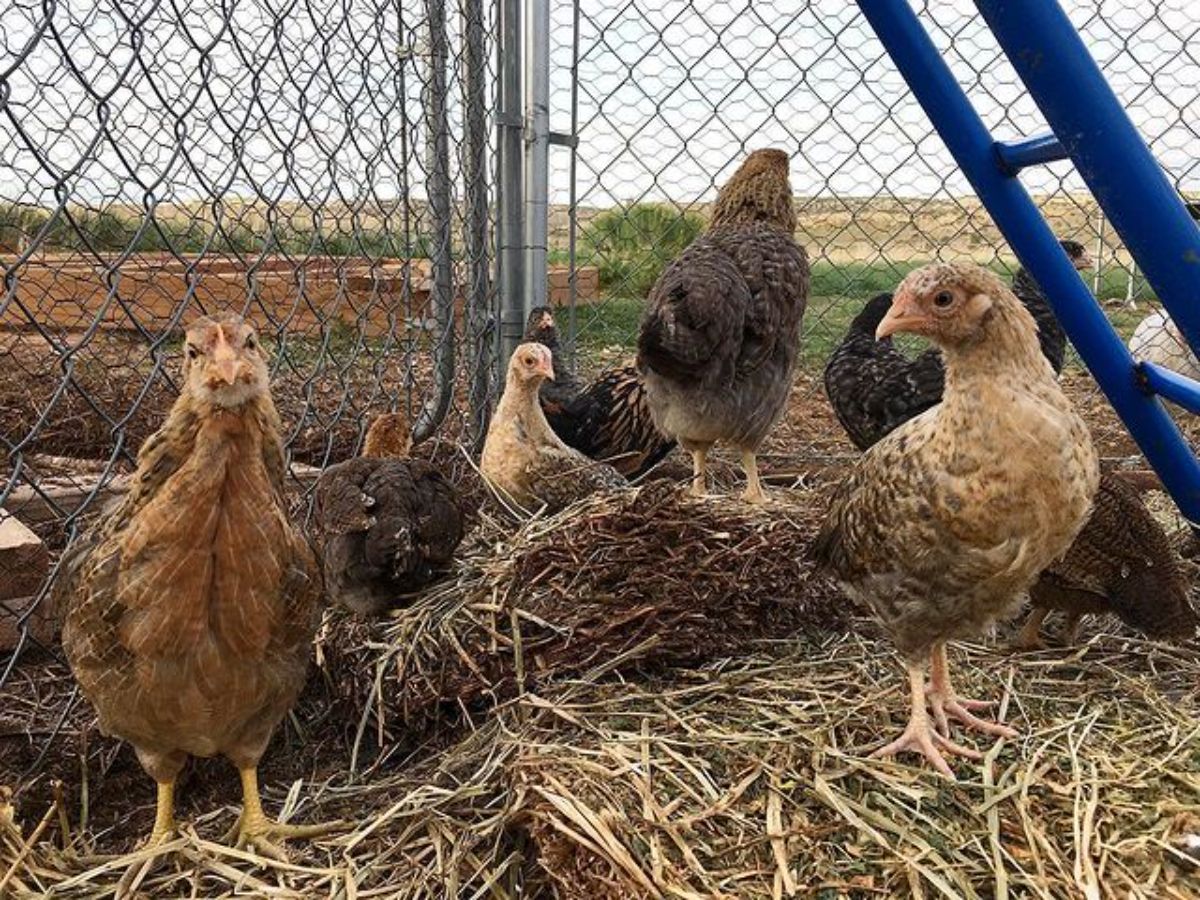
537 150
475 236
510 184
437 130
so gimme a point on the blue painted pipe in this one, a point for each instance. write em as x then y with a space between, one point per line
1110 155
1019 219
1014 156
1171 385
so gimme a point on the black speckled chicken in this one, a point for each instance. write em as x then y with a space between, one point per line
523 458
873 386
387 526
1122 563
608 419
719 339
944 524
191 608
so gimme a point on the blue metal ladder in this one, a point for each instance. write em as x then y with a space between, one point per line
1090 128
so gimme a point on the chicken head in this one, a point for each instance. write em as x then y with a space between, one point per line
946 303
223 361
530 364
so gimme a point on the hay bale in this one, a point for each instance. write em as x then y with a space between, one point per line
648 577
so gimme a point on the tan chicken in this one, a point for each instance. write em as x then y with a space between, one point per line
523 457
945 522
190 610
1121 563
721 331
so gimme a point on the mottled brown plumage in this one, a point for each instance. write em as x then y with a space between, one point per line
944 523
721 331
190 609
523 457
1121 563
386 526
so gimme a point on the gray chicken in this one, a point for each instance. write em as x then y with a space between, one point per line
721 331
386 526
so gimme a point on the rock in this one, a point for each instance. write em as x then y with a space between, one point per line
24 566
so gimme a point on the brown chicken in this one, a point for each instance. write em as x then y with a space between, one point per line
721 331
1123 563
607 419
386 526
943 524
522 457
190 610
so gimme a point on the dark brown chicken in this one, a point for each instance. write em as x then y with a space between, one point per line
946 522
190 610
523 458
386 526
721 331
607 420
1122 563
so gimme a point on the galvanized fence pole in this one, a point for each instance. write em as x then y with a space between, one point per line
437 133
537 150
510 184
475 234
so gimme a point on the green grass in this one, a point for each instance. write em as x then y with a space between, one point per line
836 295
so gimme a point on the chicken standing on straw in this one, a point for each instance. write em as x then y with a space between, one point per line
522 457
190 610
721 332
386 525
944 523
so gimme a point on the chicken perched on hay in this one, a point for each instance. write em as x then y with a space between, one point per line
647 577
721 331
944 523
522 456
190 610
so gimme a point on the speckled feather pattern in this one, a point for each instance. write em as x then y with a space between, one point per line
189 611
944 523
719 339
1122 562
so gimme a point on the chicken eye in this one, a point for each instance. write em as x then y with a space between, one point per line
250 342
943 299
192 352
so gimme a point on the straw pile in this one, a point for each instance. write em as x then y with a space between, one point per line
738 779
643 578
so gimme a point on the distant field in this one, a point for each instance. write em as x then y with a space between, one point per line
608 329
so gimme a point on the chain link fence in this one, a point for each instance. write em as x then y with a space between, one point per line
669 96
337 172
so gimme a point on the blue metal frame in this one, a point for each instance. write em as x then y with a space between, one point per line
1090 125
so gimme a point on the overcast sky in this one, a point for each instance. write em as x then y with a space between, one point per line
324 102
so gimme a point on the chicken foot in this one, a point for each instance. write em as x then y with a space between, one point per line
946 703
163 831
1030 637
699 486
754 492
919 737
255 831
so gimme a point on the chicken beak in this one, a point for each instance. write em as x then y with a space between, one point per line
225 362
1083 261
902 315
547 369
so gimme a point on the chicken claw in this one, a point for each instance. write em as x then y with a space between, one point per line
946 704
754 492
699 486
255 831
918 737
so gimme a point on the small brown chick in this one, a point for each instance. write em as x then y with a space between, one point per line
523 457
946 522
1123 563
191 608
386 526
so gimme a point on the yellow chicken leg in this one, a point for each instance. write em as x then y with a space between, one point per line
699 467
919 737
946 704
164 830
164 814
754 492
254 830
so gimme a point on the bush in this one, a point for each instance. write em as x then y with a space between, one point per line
631 246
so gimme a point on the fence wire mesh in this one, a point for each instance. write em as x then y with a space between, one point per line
327 169
671 95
